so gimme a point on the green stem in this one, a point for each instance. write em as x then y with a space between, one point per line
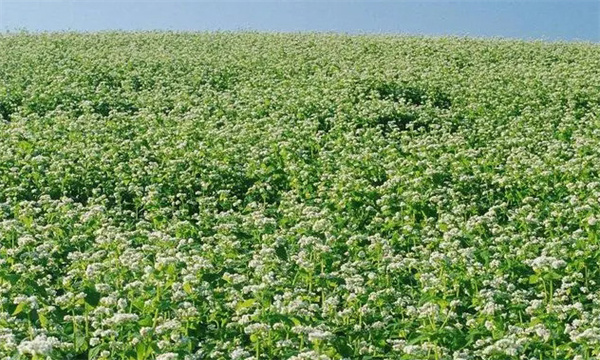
74 329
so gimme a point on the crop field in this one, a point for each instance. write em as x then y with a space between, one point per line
298 196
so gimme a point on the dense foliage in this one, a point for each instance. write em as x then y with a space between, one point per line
252 196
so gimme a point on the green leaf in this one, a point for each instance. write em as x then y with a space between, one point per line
343 349
245 304
443 227
80 342
140 350
296 321
208 277
92 296
418 339
19 309
25 146
281 253
11 278
27 221
43 319
146 321
138 304
188 288
93 353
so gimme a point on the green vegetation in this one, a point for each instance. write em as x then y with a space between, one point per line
253 196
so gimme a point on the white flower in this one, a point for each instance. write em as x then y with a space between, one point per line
256 328
167 356
239 353
546 262
41 345
167 326
318 335
120 318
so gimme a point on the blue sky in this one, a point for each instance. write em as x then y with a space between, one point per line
525 19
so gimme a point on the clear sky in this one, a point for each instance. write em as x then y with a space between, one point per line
525 19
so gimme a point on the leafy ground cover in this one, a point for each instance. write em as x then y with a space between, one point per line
253 196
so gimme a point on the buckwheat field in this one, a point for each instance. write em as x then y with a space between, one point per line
251 196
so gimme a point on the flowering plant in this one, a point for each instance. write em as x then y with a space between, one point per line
286 196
